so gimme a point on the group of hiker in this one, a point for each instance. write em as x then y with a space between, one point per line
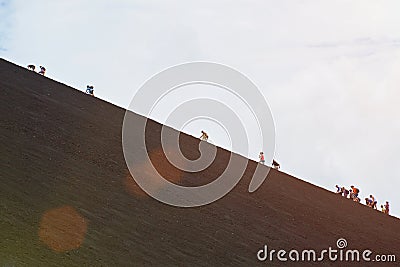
353 193
275 164
89 88
42 69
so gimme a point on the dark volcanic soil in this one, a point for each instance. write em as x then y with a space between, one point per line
67 198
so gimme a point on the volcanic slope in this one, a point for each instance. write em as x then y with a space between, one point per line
68 199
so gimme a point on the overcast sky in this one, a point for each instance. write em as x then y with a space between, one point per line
329 69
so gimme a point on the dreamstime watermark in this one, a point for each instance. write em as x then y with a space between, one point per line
175 78
330 254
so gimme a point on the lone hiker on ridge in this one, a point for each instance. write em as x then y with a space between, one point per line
90 90
204 136
261 157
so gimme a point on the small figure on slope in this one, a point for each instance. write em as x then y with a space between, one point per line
204 136
90 90
275 165
42 70
261 157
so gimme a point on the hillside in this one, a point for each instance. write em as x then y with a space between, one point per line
67 198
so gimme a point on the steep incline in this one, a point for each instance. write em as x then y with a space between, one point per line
67 198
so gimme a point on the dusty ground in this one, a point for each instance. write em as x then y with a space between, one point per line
67 198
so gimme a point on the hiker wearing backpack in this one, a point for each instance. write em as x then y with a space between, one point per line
354 192
373 202
42 70
90 90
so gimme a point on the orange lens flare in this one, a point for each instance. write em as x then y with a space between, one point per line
62 229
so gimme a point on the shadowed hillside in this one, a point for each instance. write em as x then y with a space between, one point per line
67 198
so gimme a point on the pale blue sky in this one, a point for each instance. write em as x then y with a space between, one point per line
329 70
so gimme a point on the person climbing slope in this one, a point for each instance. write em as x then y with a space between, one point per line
345 192
383 209
368 202
354 192
373 202
261 157
90 90
204 136
339 190
275 165
387 207
42 70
